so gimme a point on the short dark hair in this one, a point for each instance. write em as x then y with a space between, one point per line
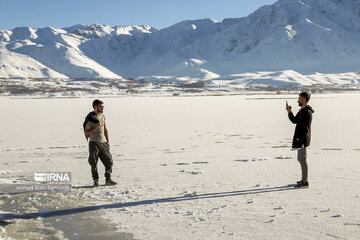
97 102
305 95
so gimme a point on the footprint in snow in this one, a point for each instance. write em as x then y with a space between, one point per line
183 163
284 157
254 159
242 160
191 172
234 135
193 194
278 208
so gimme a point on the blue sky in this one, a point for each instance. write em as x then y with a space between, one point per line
158 13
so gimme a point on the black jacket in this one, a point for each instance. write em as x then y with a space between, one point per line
89 118
302 135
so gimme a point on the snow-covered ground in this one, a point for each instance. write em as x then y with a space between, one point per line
187 167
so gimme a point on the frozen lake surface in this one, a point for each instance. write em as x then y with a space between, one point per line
187 167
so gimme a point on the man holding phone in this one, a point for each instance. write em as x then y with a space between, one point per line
302 135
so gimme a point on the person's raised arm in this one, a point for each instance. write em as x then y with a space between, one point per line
292 118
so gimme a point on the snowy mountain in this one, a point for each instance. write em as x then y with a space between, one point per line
18 65
293 39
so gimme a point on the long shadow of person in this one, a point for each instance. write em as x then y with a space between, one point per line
5 217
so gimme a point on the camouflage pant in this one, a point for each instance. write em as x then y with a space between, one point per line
102 150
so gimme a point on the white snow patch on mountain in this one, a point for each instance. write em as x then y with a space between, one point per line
14 65
309 37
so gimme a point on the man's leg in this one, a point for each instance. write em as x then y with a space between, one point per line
106 159
302 155
93 159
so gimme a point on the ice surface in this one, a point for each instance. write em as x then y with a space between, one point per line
230 199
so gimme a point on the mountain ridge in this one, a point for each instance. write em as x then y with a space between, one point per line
305 36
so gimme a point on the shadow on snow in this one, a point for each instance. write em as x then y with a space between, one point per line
11 216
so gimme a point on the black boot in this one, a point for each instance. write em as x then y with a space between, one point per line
302 184
110 182
96 182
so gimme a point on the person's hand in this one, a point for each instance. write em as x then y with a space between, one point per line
97 126
288 108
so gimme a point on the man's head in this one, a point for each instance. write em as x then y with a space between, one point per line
304 98
98 106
